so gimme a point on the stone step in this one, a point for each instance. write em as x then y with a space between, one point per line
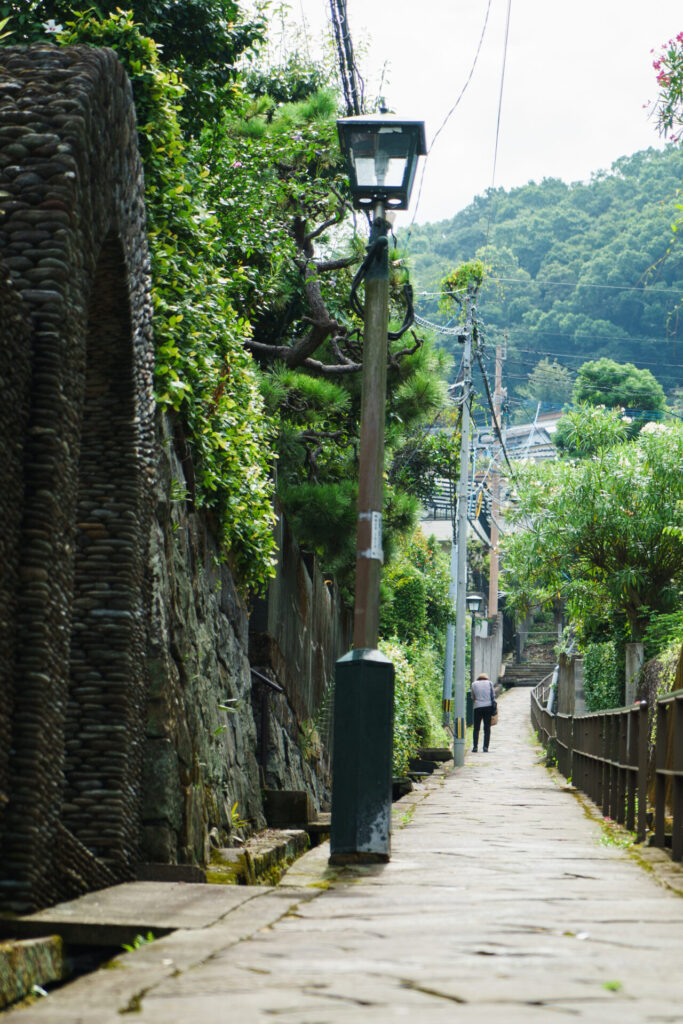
28 965
526 674
261 861
114 916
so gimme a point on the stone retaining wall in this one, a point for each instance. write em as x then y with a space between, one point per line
72 237
127 730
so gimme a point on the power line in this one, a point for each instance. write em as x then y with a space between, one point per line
592 337
588 387
500 107
496 425
448 116
651 289
352 83
577 355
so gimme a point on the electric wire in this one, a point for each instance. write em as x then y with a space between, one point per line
500 107
530 331
577 355
489 396
348 71
448 117
574 284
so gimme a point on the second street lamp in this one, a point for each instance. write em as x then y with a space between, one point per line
381 153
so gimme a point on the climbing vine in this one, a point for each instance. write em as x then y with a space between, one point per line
203 372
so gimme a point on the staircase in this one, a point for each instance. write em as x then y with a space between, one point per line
526 674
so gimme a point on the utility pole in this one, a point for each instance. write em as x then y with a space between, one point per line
447 702
459 697
495 487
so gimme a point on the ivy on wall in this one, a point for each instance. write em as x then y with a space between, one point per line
203 371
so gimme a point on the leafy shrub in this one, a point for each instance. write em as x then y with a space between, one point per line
663 631
405 614
416 703
603 676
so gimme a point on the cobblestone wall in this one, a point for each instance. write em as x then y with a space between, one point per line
72 230
14 396
126 725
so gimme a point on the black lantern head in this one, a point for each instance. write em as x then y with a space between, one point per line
381 154
473 603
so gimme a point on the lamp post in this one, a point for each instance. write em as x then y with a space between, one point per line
381 154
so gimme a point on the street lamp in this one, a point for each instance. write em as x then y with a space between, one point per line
381 153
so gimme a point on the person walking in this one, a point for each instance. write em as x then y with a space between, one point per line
483 699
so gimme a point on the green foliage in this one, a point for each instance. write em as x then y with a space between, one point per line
293 80
199 40
425 456
406 614
549 382
603 676
27 21
661 632
467 275
578 270
203 372
415 612
597 532
237 822
588 430
138 942
466 279
416 712
623 385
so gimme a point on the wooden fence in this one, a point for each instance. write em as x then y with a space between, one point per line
606 756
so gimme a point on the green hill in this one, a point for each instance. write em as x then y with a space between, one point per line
580 271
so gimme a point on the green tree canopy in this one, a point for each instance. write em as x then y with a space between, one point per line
549 381
579 270
606 382
601 532
589 429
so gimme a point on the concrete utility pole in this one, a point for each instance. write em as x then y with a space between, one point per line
459 697
447 702
495 488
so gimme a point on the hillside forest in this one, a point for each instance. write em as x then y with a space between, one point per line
578 271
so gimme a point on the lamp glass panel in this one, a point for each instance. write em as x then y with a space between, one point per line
380 158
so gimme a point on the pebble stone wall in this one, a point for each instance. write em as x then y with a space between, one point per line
127 731
72 237
15 331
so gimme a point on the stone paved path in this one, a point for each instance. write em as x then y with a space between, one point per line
500 904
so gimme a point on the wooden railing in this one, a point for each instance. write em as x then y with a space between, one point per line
669 772
606 756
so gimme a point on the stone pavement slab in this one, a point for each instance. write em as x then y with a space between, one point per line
114 916
501 903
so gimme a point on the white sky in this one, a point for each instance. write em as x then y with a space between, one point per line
577 77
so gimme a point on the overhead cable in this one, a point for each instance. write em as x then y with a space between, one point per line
500 107
352 83
489 396
449 115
